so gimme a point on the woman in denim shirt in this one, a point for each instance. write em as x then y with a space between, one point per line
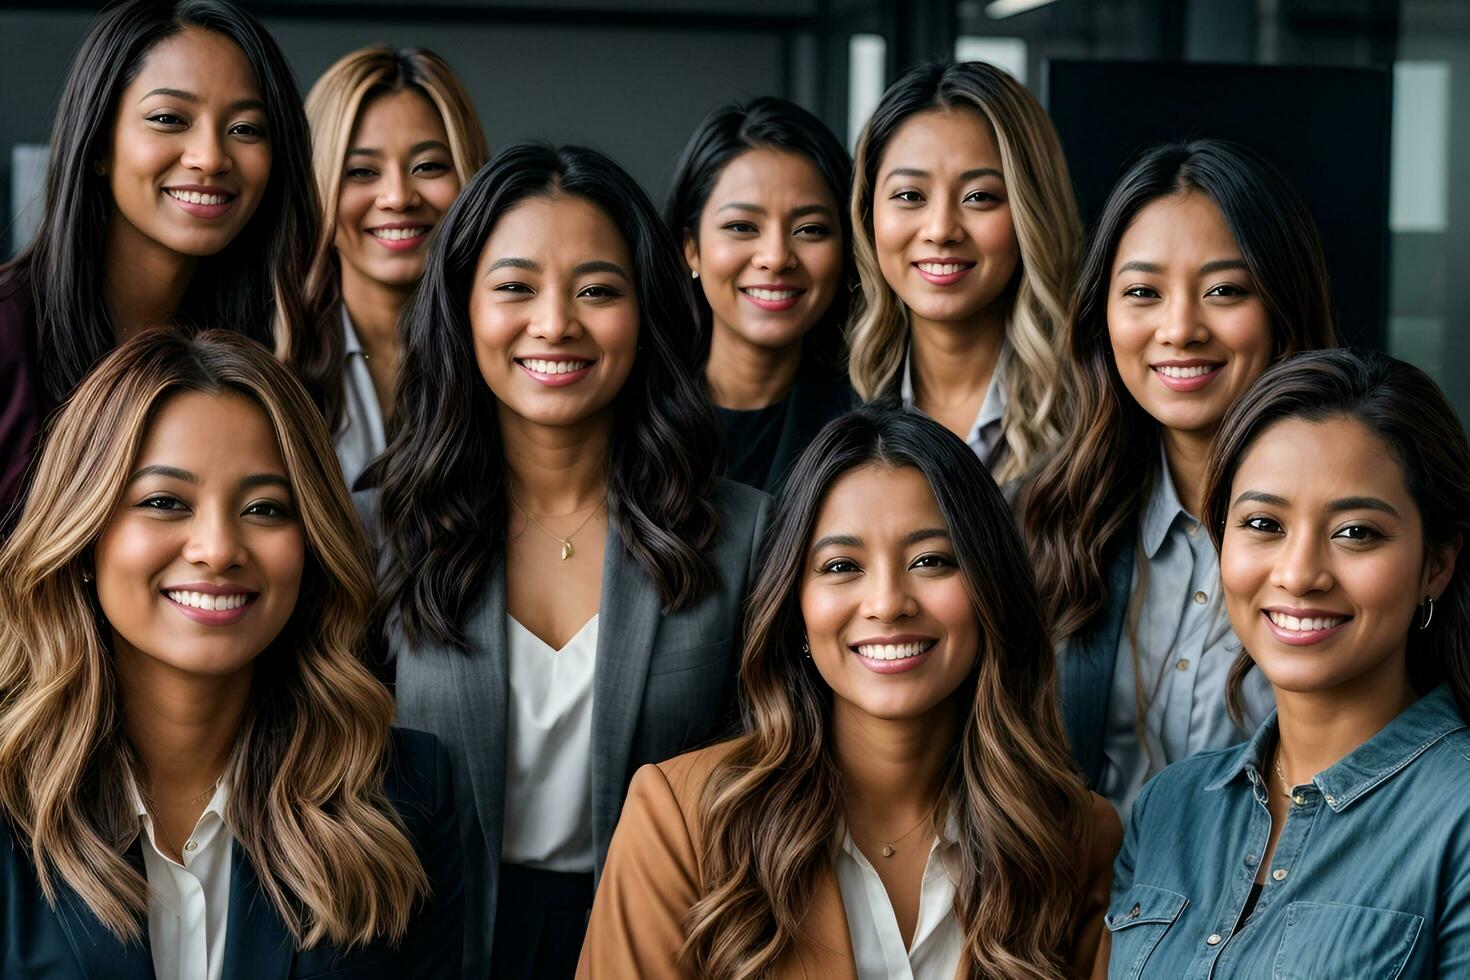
1335 842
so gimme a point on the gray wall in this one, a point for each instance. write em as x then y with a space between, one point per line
633 89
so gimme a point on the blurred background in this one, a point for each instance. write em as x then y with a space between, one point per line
1365 104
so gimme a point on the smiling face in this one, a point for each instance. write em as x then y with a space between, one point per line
942 218
398 179
769 248
887 614
190 156
1324 565
554 311
1189 330
199 567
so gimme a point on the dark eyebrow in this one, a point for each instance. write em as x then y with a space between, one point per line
1361 503
598 265
265 480
423 145
967 175
1222 264
178 93
1138 266
1261 497
844 540
172 472
927 534
362 151
513 263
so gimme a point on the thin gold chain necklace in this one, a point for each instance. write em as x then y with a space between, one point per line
888 849
567 550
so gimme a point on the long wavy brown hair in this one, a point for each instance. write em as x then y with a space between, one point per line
306 774
1082 501
773 808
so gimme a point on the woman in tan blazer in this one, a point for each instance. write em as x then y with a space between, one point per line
903 803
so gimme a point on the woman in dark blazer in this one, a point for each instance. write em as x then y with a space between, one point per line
759 202
197 776
160 208
562 572
1204 268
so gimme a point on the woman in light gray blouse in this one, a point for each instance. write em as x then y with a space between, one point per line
394 137
1204 269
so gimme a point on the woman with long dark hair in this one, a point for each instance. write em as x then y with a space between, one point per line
178 191
394 138
759 202
902 803
966 235
1204 269
562 572
198 780
1332 843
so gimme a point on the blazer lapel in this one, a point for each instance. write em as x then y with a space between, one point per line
825 947
98 951
257 944
1085 669
625 638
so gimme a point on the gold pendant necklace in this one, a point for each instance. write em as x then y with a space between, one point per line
567 550
888 849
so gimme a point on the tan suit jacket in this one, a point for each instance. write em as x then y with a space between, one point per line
651 880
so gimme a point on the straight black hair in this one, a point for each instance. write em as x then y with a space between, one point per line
254 286
1089 492
1406 411
766 123
442 496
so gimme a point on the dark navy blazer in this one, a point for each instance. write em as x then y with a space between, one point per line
69 943
1085 665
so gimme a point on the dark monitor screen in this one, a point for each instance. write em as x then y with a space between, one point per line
1327 129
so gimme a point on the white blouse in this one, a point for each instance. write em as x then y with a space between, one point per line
189 903
548 780
361 437
877 945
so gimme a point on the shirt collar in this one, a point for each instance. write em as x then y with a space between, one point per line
349 334
1387 753
1161 510
992 410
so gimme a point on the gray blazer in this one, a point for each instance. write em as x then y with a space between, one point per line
662 685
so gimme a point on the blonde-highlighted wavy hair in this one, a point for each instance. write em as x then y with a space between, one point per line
773 807
306 772
333 107
1044 213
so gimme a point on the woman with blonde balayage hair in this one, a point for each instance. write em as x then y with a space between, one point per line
394 138
902 804
181 612
966 236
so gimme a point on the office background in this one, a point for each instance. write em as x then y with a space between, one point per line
1373 125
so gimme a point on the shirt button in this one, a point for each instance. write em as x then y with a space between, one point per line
1201 598
1250 860
1214 939
1299 800
1182 665
1279 874
1331 800
191 846
1133 912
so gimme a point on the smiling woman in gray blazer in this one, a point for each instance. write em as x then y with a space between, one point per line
562 572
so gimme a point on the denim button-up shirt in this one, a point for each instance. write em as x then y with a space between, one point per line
1370 879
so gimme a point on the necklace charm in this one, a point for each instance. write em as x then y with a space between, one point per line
888 850
566 550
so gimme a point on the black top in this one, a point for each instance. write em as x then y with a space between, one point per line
24 403
69 943
763 444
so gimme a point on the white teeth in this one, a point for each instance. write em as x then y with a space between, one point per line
398 234
1305 624
553 367
892 651
212 603
1198 371
773 295
942 268
194 197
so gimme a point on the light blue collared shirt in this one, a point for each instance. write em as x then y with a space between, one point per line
361 437
987 434
1182 642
